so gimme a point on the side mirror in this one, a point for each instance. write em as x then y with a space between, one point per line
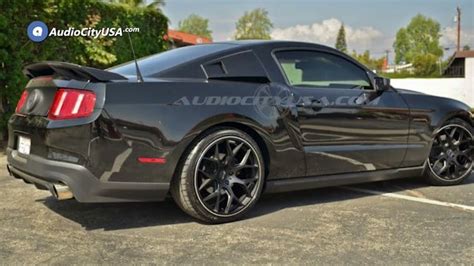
381 84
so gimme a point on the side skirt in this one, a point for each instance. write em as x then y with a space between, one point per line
302 183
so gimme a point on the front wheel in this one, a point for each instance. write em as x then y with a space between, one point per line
451 158
221 178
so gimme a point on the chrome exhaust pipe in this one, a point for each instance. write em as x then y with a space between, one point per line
62 192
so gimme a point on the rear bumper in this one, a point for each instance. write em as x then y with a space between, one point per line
84 185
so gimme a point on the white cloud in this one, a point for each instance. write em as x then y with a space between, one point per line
449 37
326 31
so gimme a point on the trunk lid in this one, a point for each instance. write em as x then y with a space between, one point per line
49 77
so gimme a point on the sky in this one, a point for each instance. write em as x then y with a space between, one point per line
370 24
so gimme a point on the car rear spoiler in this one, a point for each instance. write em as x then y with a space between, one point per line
71 71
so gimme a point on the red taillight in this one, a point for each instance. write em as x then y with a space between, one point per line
22 101
70 103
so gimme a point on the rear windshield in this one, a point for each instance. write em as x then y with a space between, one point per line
154 64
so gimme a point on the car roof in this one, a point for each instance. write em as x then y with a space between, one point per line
183 64
273 43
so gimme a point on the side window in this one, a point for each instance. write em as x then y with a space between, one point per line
323 70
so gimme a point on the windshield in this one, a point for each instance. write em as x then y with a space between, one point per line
156 63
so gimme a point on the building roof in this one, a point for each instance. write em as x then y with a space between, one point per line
464 54
460 54
455 66
187 38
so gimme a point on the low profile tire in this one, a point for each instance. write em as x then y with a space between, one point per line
221 178
451 158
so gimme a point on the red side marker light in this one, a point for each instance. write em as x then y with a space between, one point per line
159 160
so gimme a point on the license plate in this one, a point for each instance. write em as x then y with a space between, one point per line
24 145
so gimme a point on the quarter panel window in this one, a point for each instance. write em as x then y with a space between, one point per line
154 64
319 69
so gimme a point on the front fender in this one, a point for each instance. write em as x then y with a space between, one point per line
427 114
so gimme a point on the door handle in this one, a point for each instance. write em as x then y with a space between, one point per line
315 105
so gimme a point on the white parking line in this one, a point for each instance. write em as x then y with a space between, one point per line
411 198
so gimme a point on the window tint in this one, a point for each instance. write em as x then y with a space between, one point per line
154 64
324 70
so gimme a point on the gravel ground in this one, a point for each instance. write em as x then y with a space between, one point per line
330 226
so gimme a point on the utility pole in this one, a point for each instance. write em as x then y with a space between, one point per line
458 19
386 59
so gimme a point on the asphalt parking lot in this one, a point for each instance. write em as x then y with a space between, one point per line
351 225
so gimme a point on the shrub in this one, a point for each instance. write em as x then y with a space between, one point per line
16 50
426 65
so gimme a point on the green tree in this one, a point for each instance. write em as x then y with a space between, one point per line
254 25
155 4
371 63
195 24
420 37
466 48
341 44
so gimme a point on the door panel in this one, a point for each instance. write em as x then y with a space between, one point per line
346 126
341 137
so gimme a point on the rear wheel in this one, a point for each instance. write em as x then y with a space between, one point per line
451 158
221 178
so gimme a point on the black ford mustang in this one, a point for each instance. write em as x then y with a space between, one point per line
215 125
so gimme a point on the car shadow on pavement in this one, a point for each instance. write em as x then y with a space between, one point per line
115 216
275 202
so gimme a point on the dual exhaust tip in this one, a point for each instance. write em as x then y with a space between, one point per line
59 191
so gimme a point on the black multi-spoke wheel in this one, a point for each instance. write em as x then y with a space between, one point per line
451 157
226 176
221 178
